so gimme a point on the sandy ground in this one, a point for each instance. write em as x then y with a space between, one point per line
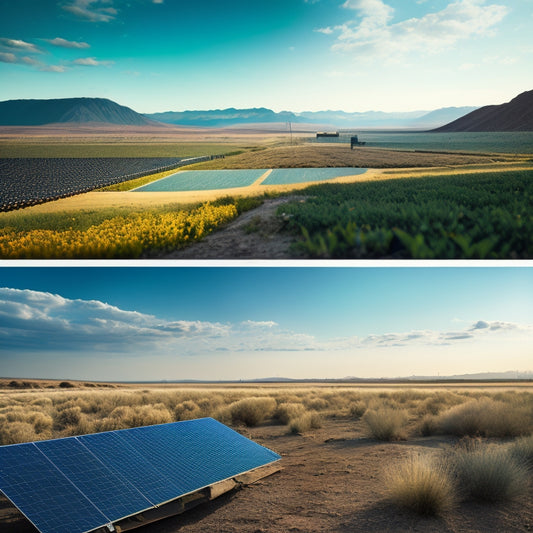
332 480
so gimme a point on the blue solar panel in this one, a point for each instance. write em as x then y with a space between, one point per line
118 454
199 454
105 488
78 484
50 501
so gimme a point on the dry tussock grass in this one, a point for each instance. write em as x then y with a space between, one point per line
488 472
40 413
305 422
422 484
486 417
386 423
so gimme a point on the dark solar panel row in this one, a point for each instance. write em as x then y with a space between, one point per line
78 484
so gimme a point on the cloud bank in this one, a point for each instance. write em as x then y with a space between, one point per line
39 322
372 33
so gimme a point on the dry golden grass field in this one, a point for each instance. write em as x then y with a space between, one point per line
455 457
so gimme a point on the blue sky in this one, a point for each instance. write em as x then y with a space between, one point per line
134 323
355 55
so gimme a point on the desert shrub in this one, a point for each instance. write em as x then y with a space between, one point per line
42 422
423 485
357 409
485 417
187 410
16 432
488 472
66 385
252 411
16 413
43 402
83 427
437 402
223 414
428 426
124 416
305 422
522 451
70 416
382 401
317 404
285 412
386 423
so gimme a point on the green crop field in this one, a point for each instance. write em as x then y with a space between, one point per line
119 149
485 215
519 142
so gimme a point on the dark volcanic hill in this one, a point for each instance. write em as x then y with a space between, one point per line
68 110
516 115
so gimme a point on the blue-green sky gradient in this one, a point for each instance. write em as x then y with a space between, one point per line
134 323
355 55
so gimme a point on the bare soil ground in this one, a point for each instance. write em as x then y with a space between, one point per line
256 234
332 481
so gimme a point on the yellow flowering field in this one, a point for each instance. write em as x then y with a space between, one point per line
124 236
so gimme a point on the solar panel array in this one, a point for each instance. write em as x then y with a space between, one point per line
79 484
286 176
204 180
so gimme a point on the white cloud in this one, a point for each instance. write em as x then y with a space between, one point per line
8 57
374 12
33 321
92 10
63 43
19 45
373 34
91 62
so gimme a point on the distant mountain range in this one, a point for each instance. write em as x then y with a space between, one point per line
482 376
516 115
104 111
221 118
68 111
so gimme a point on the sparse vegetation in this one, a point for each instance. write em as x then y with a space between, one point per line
386 423
488 472
422 484
252 411
305 422
522 451
485 417
385 415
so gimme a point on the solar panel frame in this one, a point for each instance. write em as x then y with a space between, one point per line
158 479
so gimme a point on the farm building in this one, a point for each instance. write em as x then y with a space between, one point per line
327 134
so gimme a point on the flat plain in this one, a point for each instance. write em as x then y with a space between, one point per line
336 465
118 222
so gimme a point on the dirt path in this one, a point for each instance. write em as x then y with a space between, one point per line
254 235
